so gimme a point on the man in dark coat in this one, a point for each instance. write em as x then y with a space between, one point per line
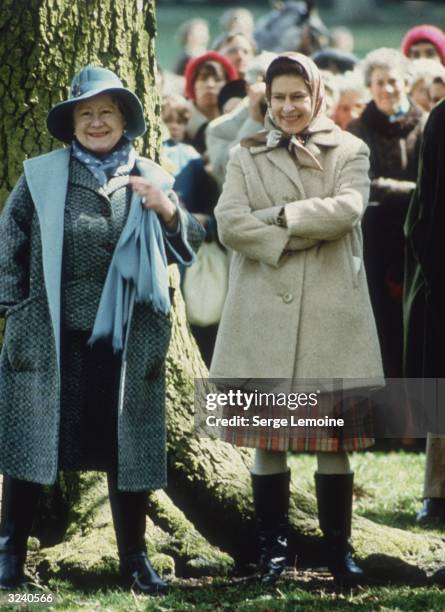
424 295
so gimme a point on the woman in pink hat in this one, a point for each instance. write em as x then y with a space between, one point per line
424 41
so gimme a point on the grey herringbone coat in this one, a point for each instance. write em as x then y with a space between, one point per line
32 281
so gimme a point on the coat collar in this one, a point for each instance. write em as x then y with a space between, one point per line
281 158
376 121
152 171
47 179
324 134
80 175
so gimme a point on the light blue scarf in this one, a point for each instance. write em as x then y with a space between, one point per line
137 273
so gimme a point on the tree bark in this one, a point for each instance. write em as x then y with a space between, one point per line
43 43
208 504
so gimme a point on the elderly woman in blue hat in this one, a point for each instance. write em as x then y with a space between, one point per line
85 240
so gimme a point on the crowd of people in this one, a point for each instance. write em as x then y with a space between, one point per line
292 172
384 99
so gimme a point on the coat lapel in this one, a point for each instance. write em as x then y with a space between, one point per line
281 158
154 173
85 179
47 178
327 134
81 176
115 183
325 139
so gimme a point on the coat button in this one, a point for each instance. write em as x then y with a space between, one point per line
109 247
287 298
106 212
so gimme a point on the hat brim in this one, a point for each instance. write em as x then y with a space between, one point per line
60 118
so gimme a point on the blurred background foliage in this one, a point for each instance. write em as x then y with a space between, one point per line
374 23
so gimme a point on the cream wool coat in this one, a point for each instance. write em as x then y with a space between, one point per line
298 304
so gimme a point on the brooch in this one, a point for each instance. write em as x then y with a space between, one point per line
76 91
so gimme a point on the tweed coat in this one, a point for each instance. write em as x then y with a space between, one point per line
31 246
298 305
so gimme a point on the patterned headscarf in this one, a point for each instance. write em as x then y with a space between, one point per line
312 78
273 136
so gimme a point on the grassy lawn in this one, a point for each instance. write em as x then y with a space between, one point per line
300 594
388 490
387 486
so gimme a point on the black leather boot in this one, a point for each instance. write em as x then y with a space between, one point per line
334 498
271 501
128 510
19 505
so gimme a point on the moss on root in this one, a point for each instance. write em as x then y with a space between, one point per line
193 554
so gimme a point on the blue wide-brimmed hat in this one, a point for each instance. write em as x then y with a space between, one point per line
87 83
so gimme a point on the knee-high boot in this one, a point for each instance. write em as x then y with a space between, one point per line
19 505
334 498
271 501
128 510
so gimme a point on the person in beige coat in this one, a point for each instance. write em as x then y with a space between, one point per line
225 132
298 306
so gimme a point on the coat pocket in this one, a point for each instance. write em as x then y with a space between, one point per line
355 257
28 333
149 339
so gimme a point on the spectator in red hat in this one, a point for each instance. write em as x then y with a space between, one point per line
205 75
424 41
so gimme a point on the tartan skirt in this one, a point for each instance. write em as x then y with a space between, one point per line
357 432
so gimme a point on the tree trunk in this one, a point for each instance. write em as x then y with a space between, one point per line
208 501
43 43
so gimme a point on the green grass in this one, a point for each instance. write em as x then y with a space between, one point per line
304 593
388 490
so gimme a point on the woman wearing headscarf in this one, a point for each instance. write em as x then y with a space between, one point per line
298 306
86 236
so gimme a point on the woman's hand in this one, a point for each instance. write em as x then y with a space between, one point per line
154 198
256 94
201 218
